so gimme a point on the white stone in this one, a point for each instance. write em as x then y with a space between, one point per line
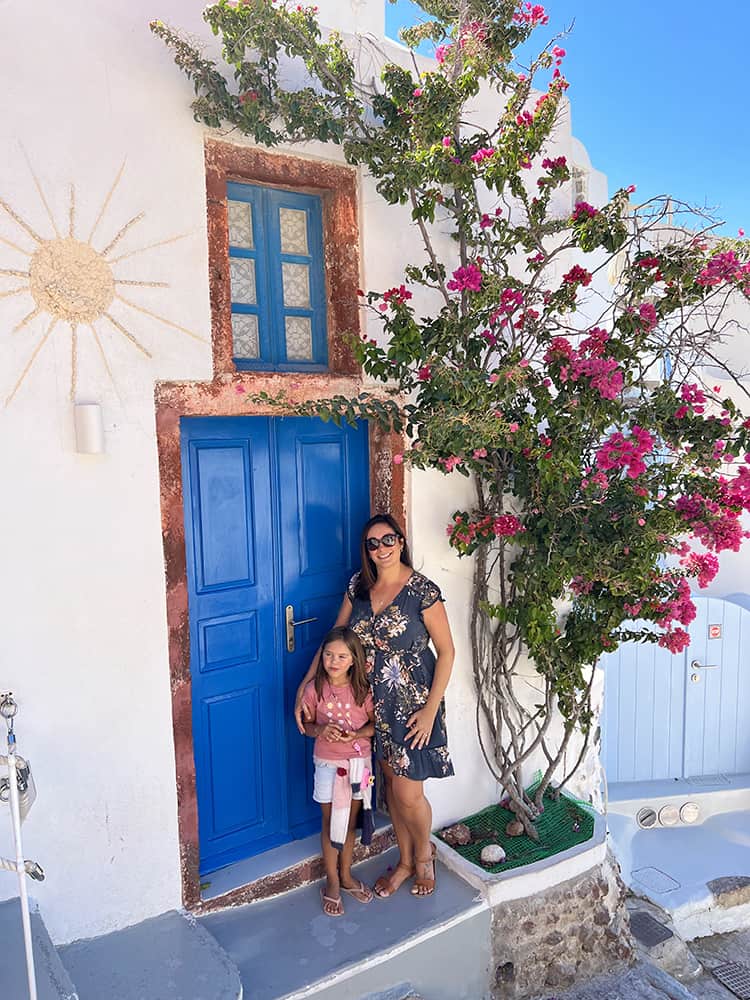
492 854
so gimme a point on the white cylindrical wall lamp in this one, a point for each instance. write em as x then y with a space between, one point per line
89 428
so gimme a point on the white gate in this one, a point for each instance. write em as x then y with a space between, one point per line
683 715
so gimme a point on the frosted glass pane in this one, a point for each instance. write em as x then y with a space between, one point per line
293 224
242 277
240 224
245 335
298 338
296 281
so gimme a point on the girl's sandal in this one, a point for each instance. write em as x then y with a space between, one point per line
362 893
331 907
423 886
384 887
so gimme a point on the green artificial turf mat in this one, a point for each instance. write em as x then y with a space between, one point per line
564 823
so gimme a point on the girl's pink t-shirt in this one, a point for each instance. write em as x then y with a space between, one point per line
339 707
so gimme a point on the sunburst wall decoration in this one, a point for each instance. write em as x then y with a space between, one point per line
73 283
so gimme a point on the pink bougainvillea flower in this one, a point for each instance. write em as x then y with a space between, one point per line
583 211
577 275
467 278
507 525
425 373
398 459
479 453
675 641
531 15
447 141
417 92
648 315
513 427
482 154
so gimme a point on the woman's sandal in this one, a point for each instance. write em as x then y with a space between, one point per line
426 885
384 887
331 907
362 893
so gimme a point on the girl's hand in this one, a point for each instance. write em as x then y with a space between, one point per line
419 727
332 733
302 714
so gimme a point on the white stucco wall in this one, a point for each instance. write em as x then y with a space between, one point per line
84 642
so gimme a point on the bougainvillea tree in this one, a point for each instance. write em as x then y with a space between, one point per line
607 474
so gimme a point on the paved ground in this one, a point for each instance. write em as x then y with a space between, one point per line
646 982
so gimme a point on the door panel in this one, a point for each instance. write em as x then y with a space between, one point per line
716 705
236 689
643 717
323 502
273 509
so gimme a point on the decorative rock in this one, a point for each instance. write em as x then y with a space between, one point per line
492 854
514 828
457 835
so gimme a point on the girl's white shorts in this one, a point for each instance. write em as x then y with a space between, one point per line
325 772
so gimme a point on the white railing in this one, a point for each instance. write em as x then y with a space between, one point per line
18 790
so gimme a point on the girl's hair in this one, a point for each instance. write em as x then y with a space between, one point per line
357 671
369 573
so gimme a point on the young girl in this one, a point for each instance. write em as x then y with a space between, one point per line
340 704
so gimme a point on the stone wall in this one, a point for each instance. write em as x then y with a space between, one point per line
571 932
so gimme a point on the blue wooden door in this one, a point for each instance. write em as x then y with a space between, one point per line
681 716
323 503
717 690
273 509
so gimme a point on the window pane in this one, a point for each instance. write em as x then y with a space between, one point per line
240 224
298 338
242 275
293 224
296 280
245 335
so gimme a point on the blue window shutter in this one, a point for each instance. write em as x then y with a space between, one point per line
287 254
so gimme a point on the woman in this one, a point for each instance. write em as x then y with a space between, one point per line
397 612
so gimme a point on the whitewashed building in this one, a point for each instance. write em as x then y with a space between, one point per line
117 257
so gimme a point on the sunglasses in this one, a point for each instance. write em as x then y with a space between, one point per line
373 544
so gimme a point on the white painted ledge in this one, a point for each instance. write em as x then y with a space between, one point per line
531 879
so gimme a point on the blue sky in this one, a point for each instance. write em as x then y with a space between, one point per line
659 94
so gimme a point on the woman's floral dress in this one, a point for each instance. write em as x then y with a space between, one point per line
402 666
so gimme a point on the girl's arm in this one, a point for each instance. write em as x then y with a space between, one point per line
300 713
421 722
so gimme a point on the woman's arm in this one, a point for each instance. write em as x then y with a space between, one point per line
420 723
300 713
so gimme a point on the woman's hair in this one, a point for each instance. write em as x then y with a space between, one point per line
357 671
369 573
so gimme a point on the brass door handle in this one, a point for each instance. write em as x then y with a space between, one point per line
291 625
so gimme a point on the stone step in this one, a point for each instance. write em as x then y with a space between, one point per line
439 946
52 980
169 957
280 870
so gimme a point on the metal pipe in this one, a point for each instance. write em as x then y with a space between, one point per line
8 711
